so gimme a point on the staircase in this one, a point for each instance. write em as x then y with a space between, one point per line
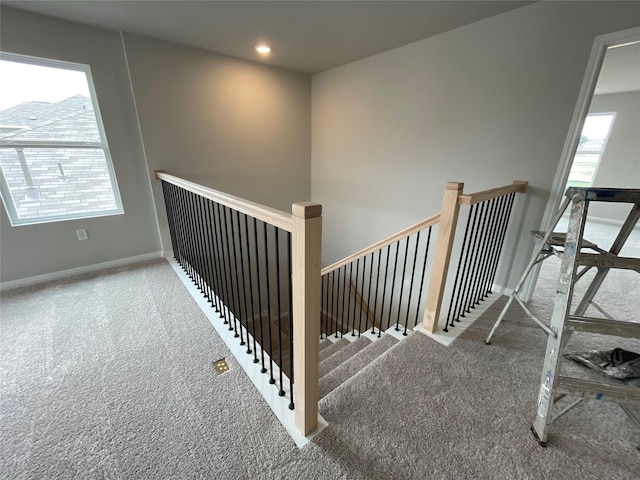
343 359
243 257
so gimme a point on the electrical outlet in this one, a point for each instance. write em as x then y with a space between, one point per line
82 234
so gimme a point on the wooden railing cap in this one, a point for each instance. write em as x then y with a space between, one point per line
306 210
459 186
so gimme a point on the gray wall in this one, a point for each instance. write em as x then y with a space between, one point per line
51 247
233 125
620 164
484 104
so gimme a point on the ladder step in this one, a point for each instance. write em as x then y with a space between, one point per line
557 239
605 327
597 194
609 261
622 394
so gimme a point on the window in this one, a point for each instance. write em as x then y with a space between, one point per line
54 157
593 141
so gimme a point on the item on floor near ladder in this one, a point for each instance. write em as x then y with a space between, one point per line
617 363
553 386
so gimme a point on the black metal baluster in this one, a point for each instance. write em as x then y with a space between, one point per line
169 208
375 306
466 269
349 299
268 275
373 326
404 269
230 257
291 404
364 269
474 268
503 233
213 256
480 256
197 280
188 235
393 284
207 249
204 251
277 235
215 229
325 293
334 303
413 274
255 232
497 214
179 225
243 286
185 233
424 271
234 232
200 244
250 278
174 215
355 295
384 291
455 293
192 239
486 253
344 293
223 261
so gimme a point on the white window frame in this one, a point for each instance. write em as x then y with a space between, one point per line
5 193
600 152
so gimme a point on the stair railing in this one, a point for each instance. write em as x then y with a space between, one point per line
484 235
260 269
258 265
378 287
381 286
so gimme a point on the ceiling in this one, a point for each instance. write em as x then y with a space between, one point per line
305 36
620 70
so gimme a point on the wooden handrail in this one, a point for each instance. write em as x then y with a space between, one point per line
266 214
518 186
383 243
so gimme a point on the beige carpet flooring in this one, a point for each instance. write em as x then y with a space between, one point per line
110 375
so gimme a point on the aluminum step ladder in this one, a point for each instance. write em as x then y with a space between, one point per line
575 254
548 244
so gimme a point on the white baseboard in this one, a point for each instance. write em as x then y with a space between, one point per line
501 290
447 338
75 271
279 405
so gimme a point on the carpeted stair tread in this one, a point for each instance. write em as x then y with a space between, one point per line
331 349
342 355
348 369
324 344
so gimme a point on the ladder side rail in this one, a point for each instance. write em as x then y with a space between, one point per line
561 309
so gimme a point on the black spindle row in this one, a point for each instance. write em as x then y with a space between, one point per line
482 243
380 290
243 267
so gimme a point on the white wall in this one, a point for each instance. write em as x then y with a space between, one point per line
32 250
620 163
234 125
485 104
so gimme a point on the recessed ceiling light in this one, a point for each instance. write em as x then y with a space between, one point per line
263 49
